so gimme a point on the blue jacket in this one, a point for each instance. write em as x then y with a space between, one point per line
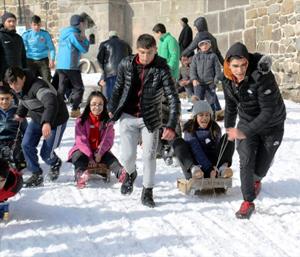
203 146
70 47
38 44
9 126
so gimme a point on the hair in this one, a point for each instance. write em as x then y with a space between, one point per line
4 168
145 41
235 57
192 125
36 19
159 27
12 74
5 89
86 112
185 20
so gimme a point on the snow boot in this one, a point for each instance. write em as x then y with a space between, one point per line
147 197
82 179
246 210
54 170
127 185
257 187
35 180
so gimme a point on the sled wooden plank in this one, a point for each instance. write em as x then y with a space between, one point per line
101 169
186 186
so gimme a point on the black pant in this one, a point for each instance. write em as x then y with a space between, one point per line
40 68
74 77
186 160
81 162
256 155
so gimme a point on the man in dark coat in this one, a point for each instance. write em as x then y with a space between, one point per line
49 116
110 54
12 49
201 25
186 35
142 81
251 91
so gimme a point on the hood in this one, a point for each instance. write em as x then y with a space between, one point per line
201 24
66 32
237 49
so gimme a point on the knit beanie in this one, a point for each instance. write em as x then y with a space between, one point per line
203 37
8 15
75 20
201 106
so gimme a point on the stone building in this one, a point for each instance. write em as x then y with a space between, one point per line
271 27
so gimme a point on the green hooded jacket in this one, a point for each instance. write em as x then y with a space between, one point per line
169 49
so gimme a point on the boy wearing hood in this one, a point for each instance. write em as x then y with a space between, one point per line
12 49
72 43
251 91
201 25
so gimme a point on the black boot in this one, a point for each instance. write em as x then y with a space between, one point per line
127 185
54 170
147 197
35 180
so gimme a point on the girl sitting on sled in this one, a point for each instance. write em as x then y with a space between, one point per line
94 137
204 152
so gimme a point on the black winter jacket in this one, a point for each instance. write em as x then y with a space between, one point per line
256 99
185 37
111 52
201 25
42 103
12 50
158 82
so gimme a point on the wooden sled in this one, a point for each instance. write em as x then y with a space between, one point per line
193 185
99 170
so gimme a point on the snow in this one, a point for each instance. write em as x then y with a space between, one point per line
60 220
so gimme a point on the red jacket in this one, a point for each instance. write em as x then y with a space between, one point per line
12 186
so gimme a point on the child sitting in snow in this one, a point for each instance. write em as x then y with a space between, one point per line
94 137
203 152
10 183
10 129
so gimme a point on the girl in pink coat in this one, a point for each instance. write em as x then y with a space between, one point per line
94 137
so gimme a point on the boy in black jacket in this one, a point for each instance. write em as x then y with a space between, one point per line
49 116
251 91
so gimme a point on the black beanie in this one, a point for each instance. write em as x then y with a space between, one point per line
8 15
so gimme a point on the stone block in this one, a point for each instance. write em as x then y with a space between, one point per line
235 37
249 23
281 49
233 3
265 20
275 8
251 14
153 10
262 11
292 20
291 49
232 20
288 31
259 22
213 22
297 7
276 35
298 43
287 7
137 9
274 47
274 18
283 20
214 5
250 39
268 32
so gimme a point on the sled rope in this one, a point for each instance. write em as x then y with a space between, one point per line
16 139
222 150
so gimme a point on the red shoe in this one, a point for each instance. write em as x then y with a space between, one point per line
122 175
257 187
82 179
245 211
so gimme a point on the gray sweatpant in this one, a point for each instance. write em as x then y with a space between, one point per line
132 130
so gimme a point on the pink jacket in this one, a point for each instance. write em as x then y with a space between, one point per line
107 134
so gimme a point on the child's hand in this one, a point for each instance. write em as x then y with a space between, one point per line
235 133
168 134
46 130
18 118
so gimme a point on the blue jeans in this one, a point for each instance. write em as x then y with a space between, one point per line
109 85
208 91
31 140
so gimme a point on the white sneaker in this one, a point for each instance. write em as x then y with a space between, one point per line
197 172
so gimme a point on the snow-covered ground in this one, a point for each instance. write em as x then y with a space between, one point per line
60 220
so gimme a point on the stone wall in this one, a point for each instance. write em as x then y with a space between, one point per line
269 26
